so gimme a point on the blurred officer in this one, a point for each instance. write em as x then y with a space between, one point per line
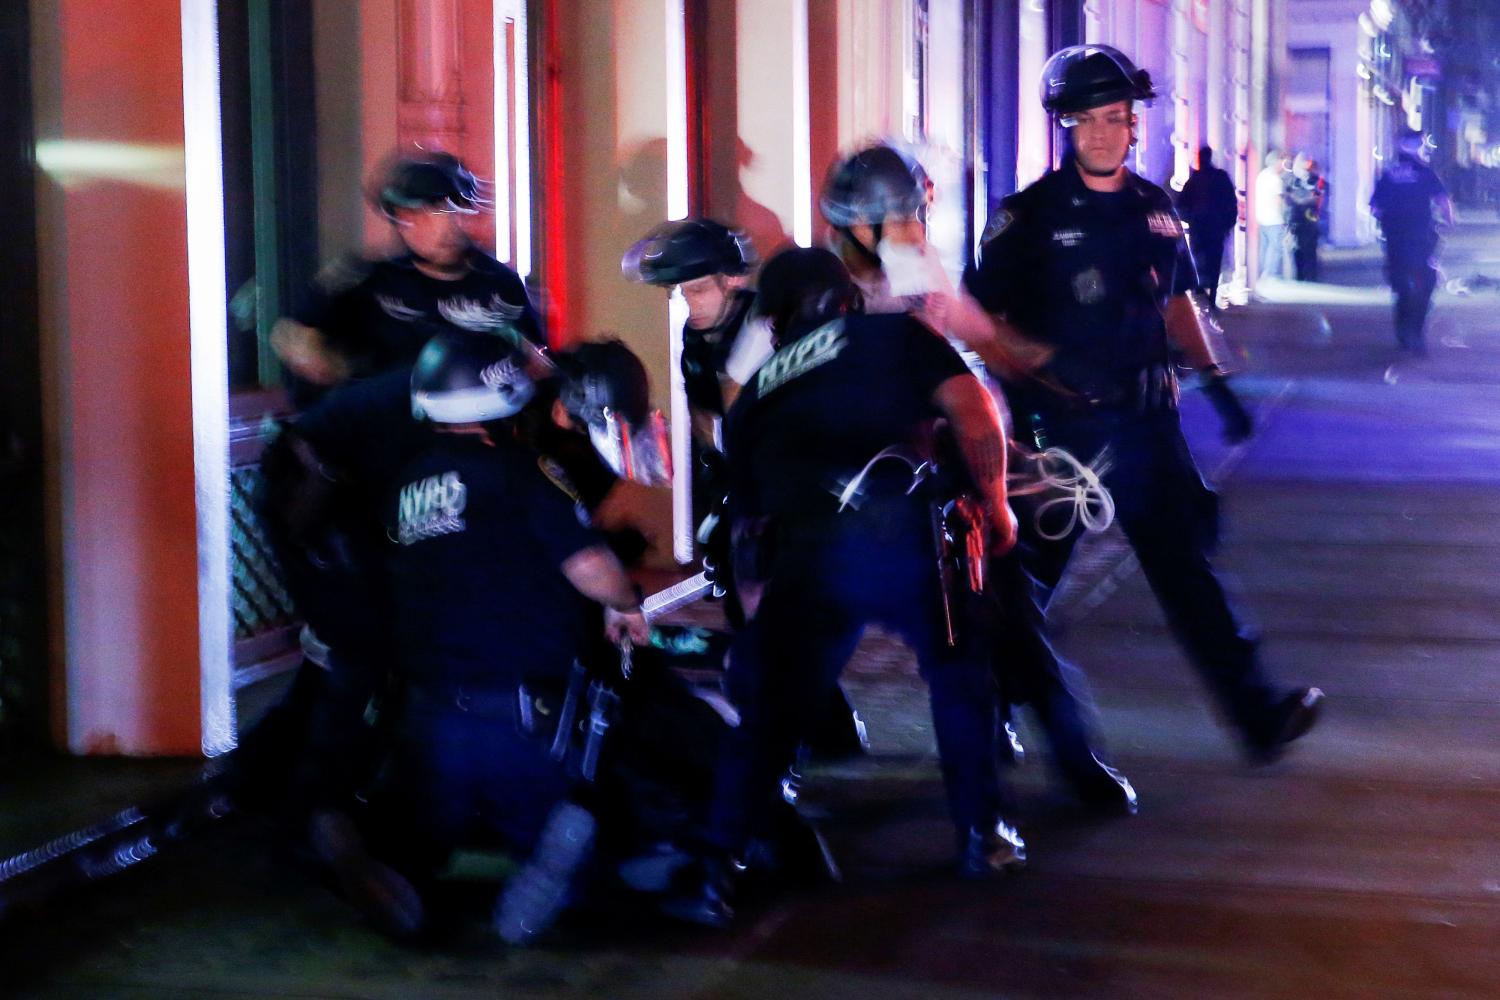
839 390
722 342
492 574
876 200
1210 207
1306 192
1410 201
379 314
1087 273
876 203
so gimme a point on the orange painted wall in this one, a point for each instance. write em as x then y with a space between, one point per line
113 249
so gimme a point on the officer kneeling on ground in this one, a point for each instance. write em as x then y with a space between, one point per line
1086 273
841 389
492 575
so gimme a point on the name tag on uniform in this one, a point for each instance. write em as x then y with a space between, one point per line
1068 237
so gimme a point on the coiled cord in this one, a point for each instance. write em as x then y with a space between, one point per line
1080 488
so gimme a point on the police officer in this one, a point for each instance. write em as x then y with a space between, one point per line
876 201
379 314
1408 198
1086 273
840 388
492 574
722 343
1306 192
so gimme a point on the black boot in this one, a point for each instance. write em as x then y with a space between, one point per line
1105 790
707 894
992 851
1292 717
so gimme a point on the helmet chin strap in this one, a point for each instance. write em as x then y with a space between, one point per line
868 254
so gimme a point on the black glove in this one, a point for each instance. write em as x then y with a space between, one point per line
1234 418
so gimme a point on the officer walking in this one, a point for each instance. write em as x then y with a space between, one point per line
1410 201
842 389
1087 275
492 574
380 314
1210 207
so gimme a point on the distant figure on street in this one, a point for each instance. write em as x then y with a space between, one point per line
1270 214
1210 208
1409 202
1305 193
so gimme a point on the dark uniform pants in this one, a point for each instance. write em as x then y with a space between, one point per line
1171 521
830 576
1305 236
1208 257
1413 279
464 773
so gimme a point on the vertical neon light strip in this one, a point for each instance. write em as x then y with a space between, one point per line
505 170
677 311
209 353
801 130
520 118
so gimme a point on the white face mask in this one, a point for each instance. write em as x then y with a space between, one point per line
912 269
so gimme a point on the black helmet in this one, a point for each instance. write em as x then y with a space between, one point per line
463 378
680 251
803 288
1081 77
603 375
875 184
427 179
1411 142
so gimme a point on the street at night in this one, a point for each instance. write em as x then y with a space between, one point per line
1360 540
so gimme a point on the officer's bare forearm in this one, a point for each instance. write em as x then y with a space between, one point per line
1187 333
977 428
1006 351
596 574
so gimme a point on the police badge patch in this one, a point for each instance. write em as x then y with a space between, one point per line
1088 286
999 223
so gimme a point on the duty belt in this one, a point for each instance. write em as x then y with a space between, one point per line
1153 388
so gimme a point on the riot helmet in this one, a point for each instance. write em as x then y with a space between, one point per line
1412 143
600 378
686 249
427 178
1082 77
463 378
877 183
803 288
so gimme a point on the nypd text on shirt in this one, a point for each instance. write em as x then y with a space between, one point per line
801 356
431 507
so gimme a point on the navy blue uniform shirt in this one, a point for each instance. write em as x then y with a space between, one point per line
383 320
481 534
1403 200
828 402
1086 272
